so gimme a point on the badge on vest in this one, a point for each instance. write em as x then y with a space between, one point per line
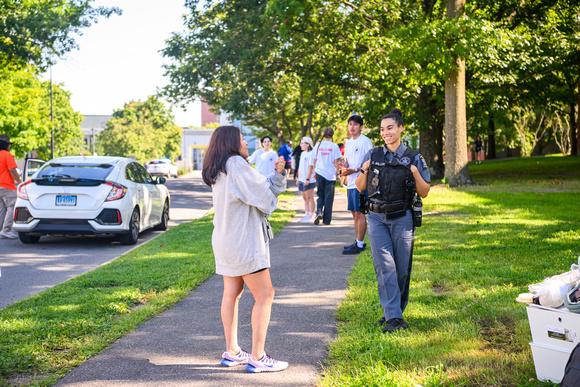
405 160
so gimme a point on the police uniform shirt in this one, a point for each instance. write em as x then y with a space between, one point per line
419 161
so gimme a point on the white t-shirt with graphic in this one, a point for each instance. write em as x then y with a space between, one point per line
265 161
306 161
325 153
355 151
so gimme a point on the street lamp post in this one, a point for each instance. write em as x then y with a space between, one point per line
51 119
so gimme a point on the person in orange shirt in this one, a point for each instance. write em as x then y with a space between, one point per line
8 180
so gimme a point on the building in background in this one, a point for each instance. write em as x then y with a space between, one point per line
196 140
207 116
91 126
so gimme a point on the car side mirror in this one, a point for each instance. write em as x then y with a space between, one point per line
161 180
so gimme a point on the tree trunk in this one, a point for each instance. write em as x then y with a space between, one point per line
491 139
456 170
573 144
430 144
439 166
576 141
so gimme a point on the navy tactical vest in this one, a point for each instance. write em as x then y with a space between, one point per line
391 185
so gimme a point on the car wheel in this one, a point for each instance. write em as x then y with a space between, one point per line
164 218
130 238
26 238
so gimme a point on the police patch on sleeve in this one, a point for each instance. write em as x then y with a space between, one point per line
423 161
405 160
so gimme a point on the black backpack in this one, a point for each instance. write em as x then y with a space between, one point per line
572 372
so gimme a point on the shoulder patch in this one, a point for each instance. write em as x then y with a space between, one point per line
423 161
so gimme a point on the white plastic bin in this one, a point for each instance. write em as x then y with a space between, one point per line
549 362
556 328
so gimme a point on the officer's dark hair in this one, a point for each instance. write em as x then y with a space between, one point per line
357 119
265 137
328 132
396 115
224 143
4 145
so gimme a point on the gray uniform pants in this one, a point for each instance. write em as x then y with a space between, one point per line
392 247
7 202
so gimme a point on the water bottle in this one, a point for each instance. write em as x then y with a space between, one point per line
417 211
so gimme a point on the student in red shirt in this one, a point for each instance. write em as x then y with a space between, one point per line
8 180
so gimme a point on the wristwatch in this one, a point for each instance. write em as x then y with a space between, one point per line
363 171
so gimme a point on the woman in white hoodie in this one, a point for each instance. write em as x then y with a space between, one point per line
240 240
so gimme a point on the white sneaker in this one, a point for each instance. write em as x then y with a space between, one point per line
306 219
8 235
230 361
266 364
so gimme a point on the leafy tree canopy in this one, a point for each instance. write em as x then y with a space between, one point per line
25 114
37 31
144 130
231 57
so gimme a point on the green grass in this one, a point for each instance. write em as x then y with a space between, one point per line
43 337
479 247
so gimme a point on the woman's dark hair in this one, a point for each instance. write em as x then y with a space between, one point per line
328 132
4 145
396 115
225 142
265 137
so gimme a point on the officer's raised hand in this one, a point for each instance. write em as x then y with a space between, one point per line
361 179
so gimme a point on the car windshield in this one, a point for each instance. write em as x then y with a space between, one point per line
75 171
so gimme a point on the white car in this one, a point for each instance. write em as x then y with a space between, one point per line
90 195
162 167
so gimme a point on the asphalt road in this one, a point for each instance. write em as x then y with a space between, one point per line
28 269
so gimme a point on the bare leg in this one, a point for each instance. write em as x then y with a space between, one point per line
233 289
260 284
311 206
304 197
360 225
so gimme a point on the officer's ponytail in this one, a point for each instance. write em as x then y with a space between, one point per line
396 115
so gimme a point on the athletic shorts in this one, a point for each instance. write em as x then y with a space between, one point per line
353 201
288 165
302 187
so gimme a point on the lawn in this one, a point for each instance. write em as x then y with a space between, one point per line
479 247
44 336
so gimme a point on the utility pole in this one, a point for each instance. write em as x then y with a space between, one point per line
51 119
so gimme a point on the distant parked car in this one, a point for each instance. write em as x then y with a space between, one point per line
89 195
162 167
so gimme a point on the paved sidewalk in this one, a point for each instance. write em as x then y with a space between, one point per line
183 345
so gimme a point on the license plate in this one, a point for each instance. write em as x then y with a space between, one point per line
66 200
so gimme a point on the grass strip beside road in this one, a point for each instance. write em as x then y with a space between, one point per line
44 336
479 247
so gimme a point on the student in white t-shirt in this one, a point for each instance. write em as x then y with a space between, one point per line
264 158
326 155
356 149
307 189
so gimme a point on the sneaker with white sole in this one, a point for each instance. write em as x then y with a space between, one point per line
317 219
233 360
266 364
8 235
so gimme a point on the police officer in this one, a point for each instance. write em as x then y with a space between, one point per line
393 174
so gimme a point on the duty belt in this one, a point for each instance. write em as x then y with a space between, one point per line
391 210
